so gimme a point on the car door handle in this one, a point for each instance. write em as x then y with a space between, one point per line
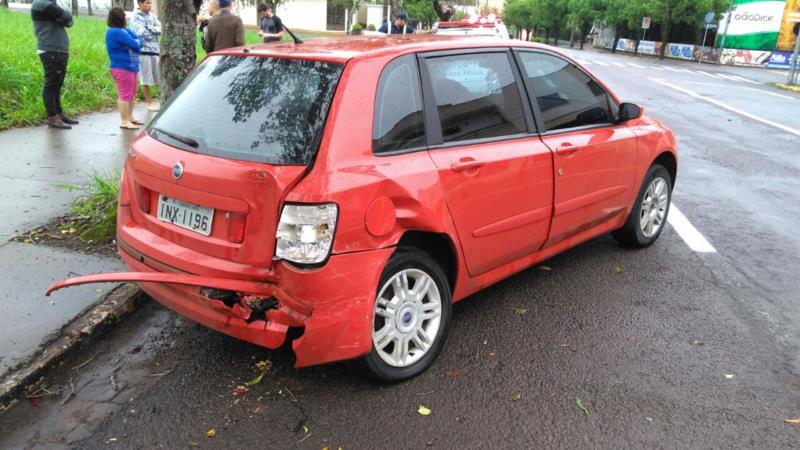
566 149
465 165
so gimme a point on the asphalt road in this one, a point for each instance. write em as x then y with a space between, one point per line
663 347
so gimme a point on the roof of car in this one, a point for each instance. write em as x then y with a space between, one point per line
343 49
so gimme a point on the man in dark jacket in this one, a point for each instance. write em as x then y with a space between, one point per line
224 30
49 21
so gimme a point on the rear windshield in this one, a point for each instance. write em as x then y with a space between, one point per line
267 110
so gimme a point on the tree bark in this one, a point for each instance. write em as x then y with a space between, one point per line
571 35
89 7
74 8
178 53
5 3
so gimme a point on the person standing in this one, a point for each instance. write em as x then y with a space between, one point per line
147 26
123 46
52 45
271 25
225 30
400 25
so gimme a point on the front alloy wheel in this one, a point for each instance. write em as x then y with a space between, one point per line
411 313
646 220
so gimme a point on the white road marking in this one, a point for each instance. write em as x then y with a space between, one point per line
779 126
736 77
703 72
637 66
688 232
772 94
674 70
617 64
656 68
601 63
727 77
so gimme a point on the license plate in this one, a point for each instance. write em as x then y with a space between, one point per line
193 217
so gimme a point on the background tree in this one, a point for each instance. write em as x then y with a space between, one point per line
582 14
4 3
178 48
421 11
519 14
671 13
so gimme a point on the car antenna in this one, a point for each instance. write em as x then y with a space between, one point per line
296 39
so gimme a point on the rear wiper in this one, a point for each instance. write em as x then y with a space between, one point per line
183 139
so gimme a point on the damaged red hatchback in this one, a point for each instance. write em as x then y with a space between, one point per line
356 188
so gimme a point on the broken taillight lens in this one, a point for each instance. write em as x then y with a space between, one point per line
143 196
236 223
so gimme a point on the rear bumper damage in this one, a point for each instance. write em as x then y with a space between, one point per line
332 303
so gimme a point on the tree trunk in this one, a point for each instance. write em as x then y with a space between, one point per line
583 37
74 8
664 39
89 7
5 3
614 41
571 35
178 54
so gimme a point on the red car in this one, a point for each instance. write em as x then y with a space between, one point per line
355 188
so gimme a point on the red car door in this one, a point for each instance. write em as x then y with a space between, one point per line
497 176
594 158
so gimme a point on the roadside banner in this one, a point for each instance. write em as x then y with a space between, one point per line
754 24
780 60
744 57
680 51
789 28
649 47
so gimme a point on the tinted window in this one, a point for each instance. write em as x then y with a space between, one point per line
476 96
567 97
250 108
398 123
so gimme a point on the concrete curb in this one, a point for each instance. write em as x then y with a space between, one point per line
790 88
84 329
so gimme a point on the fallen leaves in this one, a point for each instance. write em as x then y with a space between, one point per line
255 380
519 310
581 406
240 391
729 376
264 366
516 397
211 433
424 410
452 373
696 343
792 421
567 346
618 269
545 268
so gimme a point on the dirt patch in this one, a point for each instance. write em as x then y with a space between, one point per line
64 232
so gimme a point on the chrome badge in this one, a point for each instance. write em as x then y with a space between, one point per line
177 171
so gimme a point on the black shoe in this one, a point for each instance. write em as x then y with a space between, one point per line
67 120
56 122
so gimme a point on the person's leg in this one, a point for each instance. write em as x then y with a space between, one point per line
148 98
132 79
63 60
122 79
49 90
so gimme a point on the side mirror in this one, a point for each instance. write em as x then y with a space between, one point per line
629 111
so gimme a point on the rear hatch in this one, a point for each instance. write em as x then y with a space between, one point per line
216 162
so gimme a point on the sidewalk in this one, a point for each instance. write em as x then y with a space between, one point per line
35 160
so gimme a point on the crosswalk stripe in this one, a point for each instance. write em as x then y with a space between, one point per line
736 77
656 68
673 70
617 64
601 63
702 72
722 75
637 66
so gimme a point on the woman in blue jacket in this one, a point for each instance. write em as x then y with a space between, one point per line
123 46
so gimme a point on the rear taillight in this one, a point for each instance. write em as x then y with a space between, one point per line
236 222
143 196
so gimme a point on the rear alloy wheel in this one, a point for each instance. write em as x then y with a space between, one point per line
411 314
646 220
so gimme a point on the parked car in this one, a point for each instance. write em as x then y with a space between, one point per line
356 188
490 26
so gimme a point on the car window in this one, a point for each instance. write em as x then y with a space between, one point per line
476 96
567 96
269 110
398 123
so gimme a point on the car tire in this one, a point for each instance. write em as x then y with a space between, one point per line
649 213
409 327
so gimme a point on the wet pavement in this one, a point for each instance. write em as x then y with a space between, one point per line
604 348
37 161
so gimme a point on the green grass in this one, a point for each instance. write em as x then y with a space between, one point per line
88 85
95 211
